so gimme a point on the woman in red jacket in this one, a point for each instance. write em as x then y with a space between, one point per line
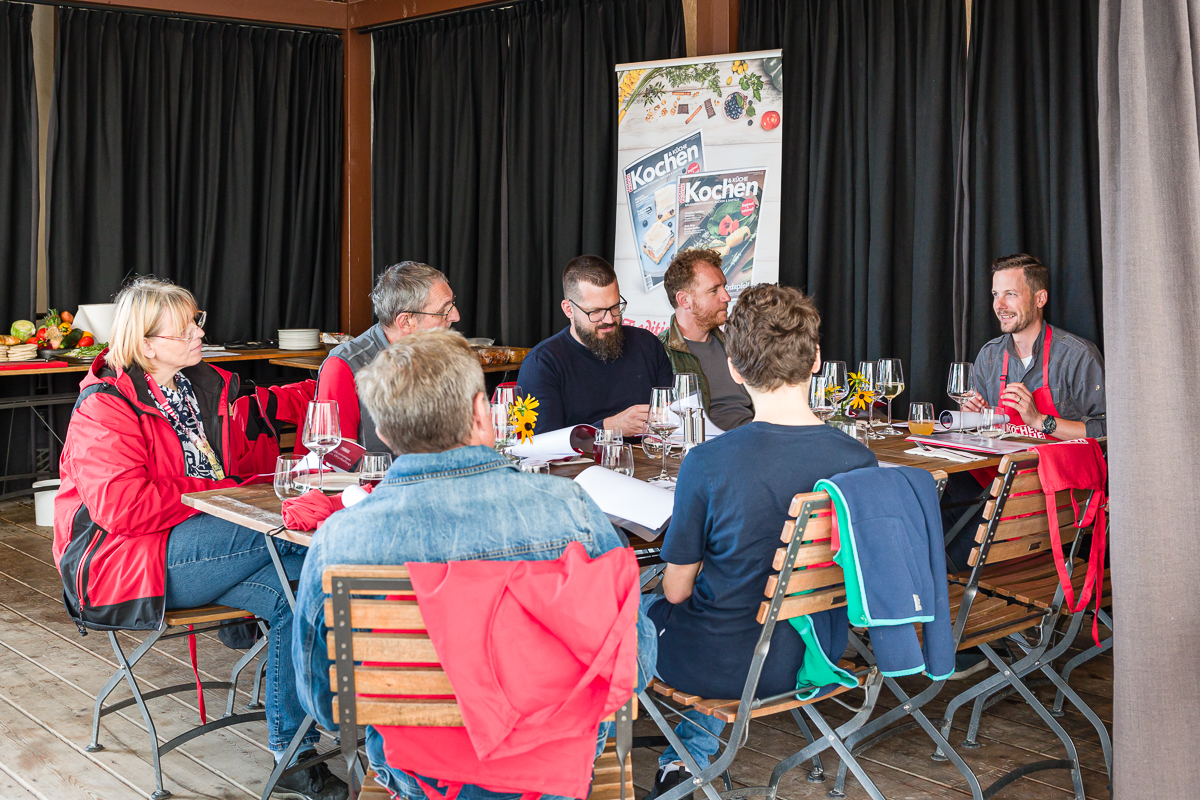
152 423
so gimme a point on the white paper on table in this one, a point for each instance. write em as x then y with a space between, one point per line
562 443
966 420
629 502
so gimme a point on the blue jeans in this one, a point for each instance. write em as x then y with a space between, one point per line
210 560
695 737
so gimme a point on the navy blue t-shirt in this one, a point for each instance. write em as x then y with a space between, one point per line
573 387
731 502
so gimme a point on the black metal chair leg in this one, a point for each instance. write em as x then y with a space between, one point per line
159 793
242 663
817 773
97 711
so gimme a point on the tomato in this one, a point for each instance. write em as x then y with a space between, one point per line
41 332
85 341
31 340
770 120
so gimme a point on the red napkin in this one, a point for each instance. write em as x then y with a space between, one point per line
33 365
310 510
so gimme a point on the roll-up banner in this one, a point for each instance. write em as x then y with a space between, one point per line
700 151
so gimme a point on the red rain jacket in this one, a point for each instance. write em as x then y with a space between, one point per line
122 472
538 652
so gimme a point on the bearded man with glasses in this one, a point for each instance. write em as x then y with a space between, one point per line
408 297
596 371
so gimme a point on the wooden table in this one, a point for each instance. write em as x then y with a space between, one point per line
313 362
891 449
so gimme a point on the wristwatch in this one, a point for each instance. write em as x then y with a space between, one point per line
1049 425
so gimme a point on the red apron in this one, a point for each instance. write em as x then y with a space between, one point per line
1041 396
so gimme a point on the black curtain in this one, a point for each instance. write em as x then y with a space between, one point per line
18 165
873 105
495 148
1033 156
562 140
206 153
438 152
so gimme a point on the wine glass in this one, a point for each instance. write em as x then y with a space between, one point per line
959 384
920 418
507 394
286 468
374 467
322 433
820 403
891 381
663 421
870 386
835 376
687 390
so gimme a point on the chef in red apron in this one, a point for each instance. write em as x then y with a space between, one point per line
1059 397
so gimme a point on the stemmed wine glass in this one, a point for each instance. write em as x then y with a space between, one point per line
869 370
959 384
891 382
835 376
322 433
374 466
820 403
663 421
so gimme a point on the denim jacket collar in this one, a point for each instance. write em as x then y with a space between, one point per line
417 467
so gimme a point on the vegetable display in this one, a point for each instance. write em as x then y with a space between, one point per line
54 331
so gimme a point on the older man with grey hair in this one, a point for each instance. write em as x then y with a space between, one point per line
408 297
449 496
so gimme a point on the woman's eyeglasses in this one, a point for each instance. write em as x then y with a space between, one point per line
192 333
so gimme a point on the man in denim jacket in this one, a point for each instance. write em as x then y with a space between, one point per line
448 497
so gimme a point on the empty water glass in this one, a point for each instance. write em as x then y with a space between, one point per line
287 469
617 457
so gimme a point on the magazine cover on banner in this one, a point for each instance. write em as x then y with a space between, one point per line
700 149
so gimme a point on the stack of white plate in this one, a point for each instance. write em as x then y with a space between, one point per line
299 338
21 352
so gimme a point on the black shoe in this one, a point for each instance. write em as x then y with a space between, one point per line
314 783
666 781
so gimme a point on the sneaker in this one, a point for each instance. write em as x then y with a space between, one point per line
967 664
666 780
314 783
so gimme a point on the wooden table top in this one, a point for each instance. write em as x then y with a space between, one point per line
257 507
35 367
307 361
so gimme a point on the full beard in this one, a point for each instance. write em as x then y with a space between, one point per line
607 348
710 320
1018 323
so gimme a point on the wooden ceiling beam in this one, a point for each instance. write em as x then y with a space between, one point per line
299 13
368 13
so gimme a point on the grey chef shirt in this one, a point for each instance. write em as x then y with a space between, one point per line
1076 375
729 404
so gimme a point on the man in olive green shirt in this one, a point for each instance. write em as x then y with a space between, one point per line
695 286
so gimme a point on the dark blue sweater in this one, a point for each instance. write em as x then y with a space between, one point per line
573 387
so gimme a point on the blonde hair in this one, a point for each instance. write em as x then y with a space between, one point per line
147 307
421 391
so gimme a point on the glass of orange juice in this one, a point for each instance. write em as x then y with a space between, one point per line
920 418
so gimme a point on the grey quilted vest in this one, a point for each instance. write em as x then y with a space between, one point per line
357 353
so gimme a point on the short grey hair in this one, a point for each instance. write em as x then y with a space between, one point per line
421 391
403 287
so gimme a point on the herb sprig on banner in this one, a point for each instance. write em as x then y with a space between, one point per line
648 85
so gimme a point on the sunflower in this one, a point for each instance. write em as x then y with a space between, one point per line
523 417
859 399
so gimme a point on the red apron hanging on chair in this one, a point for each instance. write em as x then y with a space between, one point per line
1042 399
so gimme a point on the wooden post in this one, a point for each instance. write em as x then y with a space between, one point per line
356 186
716 27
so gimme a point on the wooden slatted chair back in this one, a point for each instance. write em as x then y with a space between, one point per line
1017 512
385 670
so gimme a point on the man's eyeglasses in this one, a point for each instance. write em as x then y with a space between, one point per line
598 314
446 313
192 333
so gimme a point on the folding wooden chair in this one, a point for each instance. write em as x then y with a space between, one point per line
799 588
362 629
184 621
1033 580
1012 590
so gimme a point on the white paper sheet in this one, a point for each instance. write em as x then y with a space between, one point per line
627 498
562 443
